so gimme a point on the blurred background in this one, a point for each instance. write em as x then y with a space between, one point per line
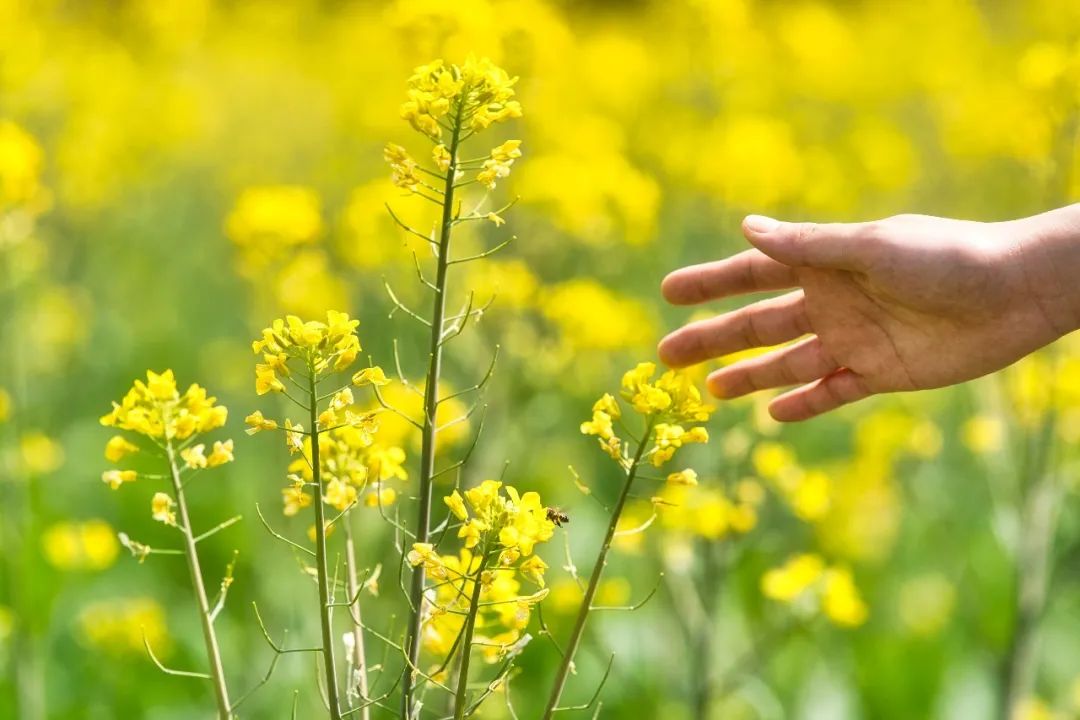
175 173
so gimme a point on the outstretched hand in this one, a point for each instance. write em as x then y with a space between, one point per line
906 303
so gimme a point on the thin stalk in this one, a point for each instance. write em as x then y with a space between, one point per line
217 670
353 584
705 642
572 644
430 429
1038 525
461 704
326 610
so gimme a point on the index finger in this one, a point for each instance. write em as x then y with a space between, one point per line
746 272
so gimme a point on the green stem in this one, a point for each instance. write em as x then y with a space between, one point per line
572 644
326 611
353 584
461 697
213 652
430 429
1038 525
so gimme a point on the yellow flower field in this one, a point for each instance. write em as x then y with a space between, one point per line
329 383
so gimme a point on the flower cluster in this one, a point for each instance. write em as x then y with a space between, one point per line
157 410
474 95
500 529
352 463
462 100
806 583
669 404
320 346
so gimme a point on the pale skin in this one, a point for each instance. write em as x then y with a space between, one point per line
911 302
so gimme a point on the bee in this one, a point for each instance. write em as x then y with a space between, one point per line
557 516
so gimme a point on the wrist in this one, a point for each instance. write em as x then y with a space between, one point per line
1049 251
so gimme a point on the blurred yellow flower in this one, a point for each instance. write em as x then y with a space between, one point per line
118 627
983 434
40 453
87 545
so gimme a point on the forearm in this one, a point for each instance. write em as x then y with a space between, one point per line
1049 249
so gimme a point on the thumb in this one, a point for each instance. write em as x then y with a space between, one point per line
840 246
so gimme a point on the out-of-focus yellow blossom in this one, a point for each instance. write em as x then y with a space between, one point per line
511 282
925 441
21 162
805 582
983 434
841 601
161 508
268 222
792 579
396 431
118 627
1034 709
589 316
88 545
926 604
7 623
306 284
5 405
707 512
40 453
295 499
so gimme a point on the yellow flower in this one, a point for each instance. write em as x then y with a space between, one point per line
841 601
116 478
161 507
441 156
456 505
5 405
600 425
381 497
792 579
257 423
472 532
118 448
339 495
683 477
319 347
533 569
194 456
90 545
40 453
221 454
295 499
157 410
474 95
370 376
983 435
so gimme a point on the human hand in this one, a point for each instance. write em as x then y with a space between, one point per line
907 303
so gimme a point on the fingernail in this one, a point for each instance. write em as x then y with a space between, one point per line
761 224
